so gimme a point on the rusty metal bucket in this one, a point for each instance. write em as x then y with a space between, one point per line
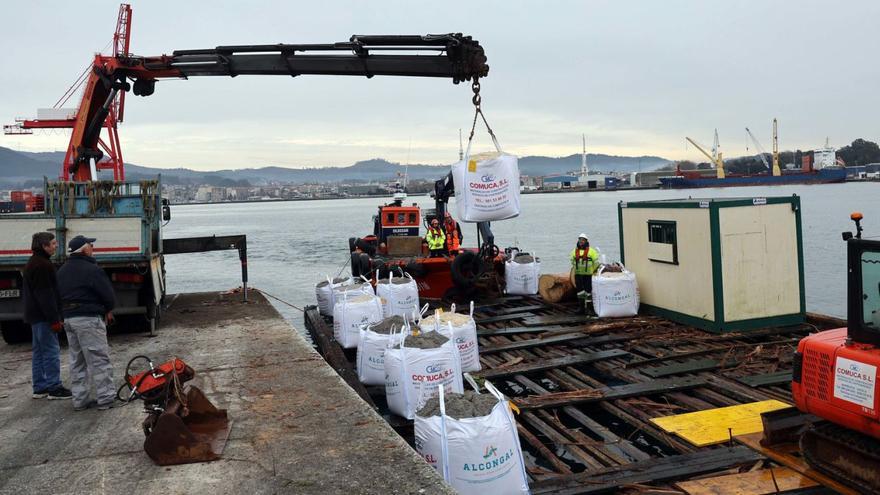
196 433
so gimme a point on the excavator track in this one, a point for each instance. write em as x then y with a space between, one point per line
847 455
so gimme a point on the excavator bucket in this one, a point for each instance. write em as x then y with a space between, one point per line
181 435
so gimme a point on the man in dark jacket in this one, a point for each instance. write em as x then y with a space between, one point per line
42 310
87 298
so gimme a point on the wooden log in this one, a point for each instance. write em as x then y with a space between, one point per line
556 287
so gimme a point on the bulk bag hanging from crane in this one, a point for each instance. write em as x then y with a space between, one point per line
486 184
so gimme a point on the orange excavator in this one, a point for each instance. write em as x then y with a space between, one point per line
835 377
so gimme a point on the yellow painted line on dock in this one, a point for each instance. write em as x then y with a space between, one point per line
714 426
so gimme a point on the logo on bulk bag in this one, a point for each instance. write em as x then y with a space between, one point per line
487 178
492 460
433 368
618 297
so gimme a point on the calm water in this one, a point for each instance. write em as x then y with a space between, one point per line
292 245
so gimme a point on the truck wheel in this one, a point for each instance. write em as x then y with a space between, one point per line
15 332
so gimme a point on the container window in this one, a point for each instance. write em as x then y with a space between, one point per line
389 219
412 219
662 241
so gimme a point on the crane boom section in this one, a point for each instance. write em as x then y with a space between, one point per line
702 150
715 160
452 56
761 151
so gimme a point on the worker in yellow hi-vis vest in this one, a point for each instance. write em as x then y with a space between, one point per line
436 239
585 262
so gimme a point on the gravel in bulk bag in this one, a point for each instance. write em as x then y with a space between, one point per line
401 295
464 332
359 285
615 294
324 293
521 274
415 368
472 441
350 313
374 339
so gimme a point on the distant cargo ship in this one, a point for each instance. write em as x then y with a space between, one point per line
818 167
821 176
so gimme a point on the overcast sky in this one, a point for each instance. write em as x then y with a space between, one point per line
636 77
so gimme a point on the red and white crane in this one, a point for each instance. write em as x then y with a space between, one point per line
109 77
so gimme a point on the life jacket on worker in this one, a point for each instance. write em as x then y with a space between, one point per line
584 260
453 234
436 238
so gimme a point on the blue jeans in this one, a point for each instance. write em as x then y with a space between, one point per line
46 361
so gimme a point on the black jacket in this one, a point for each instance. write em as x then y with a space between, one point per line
40 290
85 288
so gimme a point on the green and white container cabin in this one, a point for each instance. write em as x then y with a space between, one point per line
727 264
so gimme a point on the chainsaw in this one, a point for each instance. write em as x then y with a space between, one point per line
182 425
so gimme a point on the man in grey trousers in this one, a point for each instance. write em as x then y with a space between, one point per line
87 299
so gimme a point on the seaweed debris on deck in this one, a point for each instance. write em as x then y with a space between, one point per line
589 388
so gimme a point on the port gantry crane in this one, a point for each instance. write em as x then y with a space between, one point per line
775 170
714 158
109 77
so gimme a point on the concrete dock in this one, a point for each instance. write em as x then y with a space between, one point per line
297 427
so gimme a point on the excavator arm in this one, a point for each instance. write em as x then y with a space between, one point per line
452 56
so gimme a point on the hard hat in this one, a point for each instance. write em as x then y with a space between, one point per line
583 236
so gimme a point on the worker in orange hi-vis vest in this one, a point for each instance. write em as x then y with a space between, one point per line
453 234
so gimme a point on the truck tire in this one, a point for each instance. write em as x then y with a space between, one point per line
15 332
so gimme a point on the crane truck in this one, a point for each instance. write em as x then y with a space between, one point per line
127 216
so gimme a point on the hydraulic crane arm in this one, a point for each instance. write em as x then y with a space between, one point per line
454 56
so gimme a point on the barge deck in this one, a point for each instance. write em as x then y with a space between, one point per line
588 390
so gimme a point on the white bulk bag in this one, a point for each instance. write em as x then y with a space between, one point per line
324 293
615 294
464 333
371 354
476 456
399 299
350 312
486 185
412 376
522 278
351 289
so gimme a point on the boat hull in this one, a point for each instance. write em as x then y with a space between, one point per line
823 176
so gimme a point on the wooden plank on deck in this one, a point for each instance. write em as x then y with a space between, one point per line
760 482
675 467
778 378
507 317
692 366
547 364
534 321
788 455
653 387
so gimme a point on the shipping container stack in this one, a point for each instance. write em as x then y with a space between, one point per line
23 201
